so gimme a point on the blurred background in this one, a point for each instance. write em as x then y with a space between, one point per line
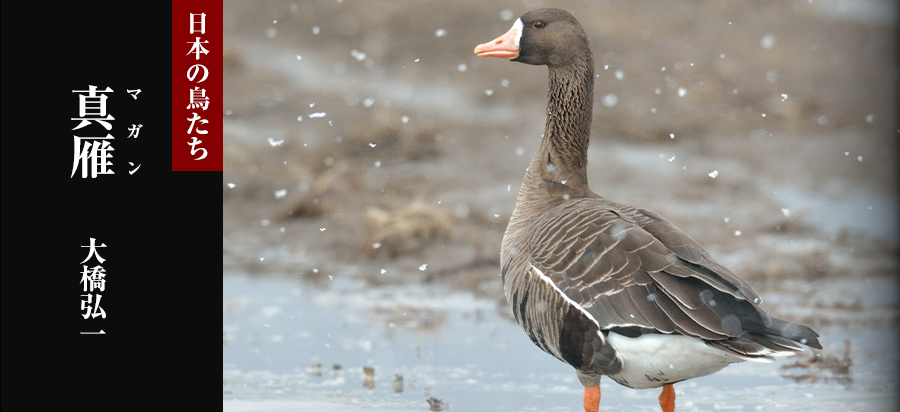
372 163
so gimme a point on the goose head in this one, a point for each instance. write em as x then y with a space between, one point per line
544 37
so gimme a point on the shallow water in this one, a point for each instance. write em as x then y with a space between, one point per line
462 350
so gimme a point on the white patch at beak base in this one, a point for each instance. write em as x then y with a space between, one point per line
518 27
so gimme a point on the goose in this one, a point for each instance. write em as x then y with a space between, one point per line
608 288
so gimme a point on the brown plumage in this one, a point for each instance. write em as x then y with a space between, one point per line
608 288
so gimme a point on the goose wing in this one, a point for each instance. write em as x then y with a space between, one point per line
635 273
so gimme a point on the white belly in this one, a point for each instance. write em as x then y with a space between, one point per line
654 360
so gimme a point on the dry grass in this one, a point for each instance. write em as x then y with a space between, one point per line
383 136
820 366
397 384
435 404
368 377
313 202
406 228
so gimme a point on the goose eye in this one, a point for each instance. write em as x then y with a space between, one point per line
539 24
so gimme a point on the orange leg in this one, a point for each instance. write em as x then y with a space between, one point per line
592 398
666 399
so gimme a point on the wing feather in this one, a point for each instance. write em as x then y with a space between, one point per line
629 267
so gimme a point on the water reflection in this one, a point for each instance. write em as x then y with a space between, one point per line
424 348
369 379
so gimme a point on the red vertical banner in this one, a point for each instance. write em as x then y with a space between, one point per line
197 85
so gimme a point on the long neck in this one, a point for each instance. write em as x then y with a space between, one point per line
568 129
558 170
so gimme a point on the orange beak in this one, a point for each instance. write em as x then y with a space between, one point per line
503 46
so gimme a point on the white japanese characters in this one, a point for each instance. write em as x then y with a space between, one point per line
197 96
93 281
92 107
94 153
